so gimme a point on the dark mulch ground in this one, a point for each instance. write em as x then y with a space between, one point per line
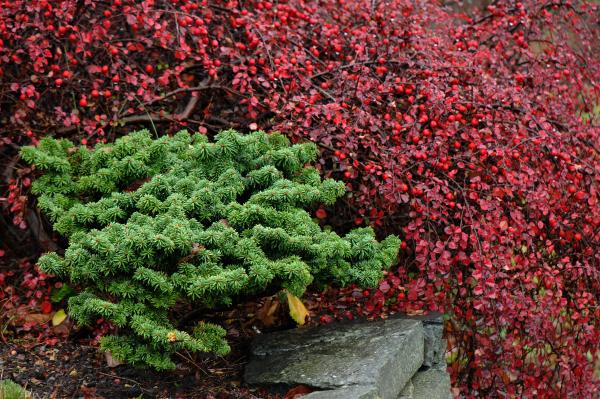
71 370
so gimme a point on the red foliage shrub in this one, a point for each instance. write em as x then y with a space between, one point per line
473 136
25 304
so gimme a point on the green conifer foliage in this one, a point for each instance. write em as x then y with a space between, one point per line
152 223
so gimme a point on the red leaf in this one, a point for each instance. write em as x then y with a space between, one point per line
46 307
297 392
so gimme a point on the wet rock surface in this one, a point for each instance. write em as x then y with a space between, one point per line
434 345
431 384
363 360
357 392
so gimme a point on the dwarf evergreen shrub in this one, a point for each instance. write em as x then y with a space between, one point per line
11 390
152 223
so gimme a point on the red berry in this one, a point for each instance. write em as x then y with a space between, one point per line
95 93
321 213
149 68
83 102
46 307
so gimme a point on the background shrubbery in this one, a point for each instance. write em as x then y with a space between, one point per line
473 136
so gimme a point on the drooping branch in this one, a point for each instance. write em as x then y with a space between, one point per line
156 117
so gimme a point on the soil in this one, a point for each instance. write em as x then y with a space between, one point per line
72 370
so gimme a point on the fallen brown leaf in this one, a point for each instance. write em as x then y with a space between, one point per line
39 318
267 313
63 329
111 361
89 392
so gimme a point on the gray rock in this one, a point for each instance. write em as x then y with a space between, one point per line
435 344
431 384
356 392
380 354
407 391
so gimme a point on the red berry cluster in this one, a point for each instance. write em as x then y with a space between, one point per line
16 200
25 297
